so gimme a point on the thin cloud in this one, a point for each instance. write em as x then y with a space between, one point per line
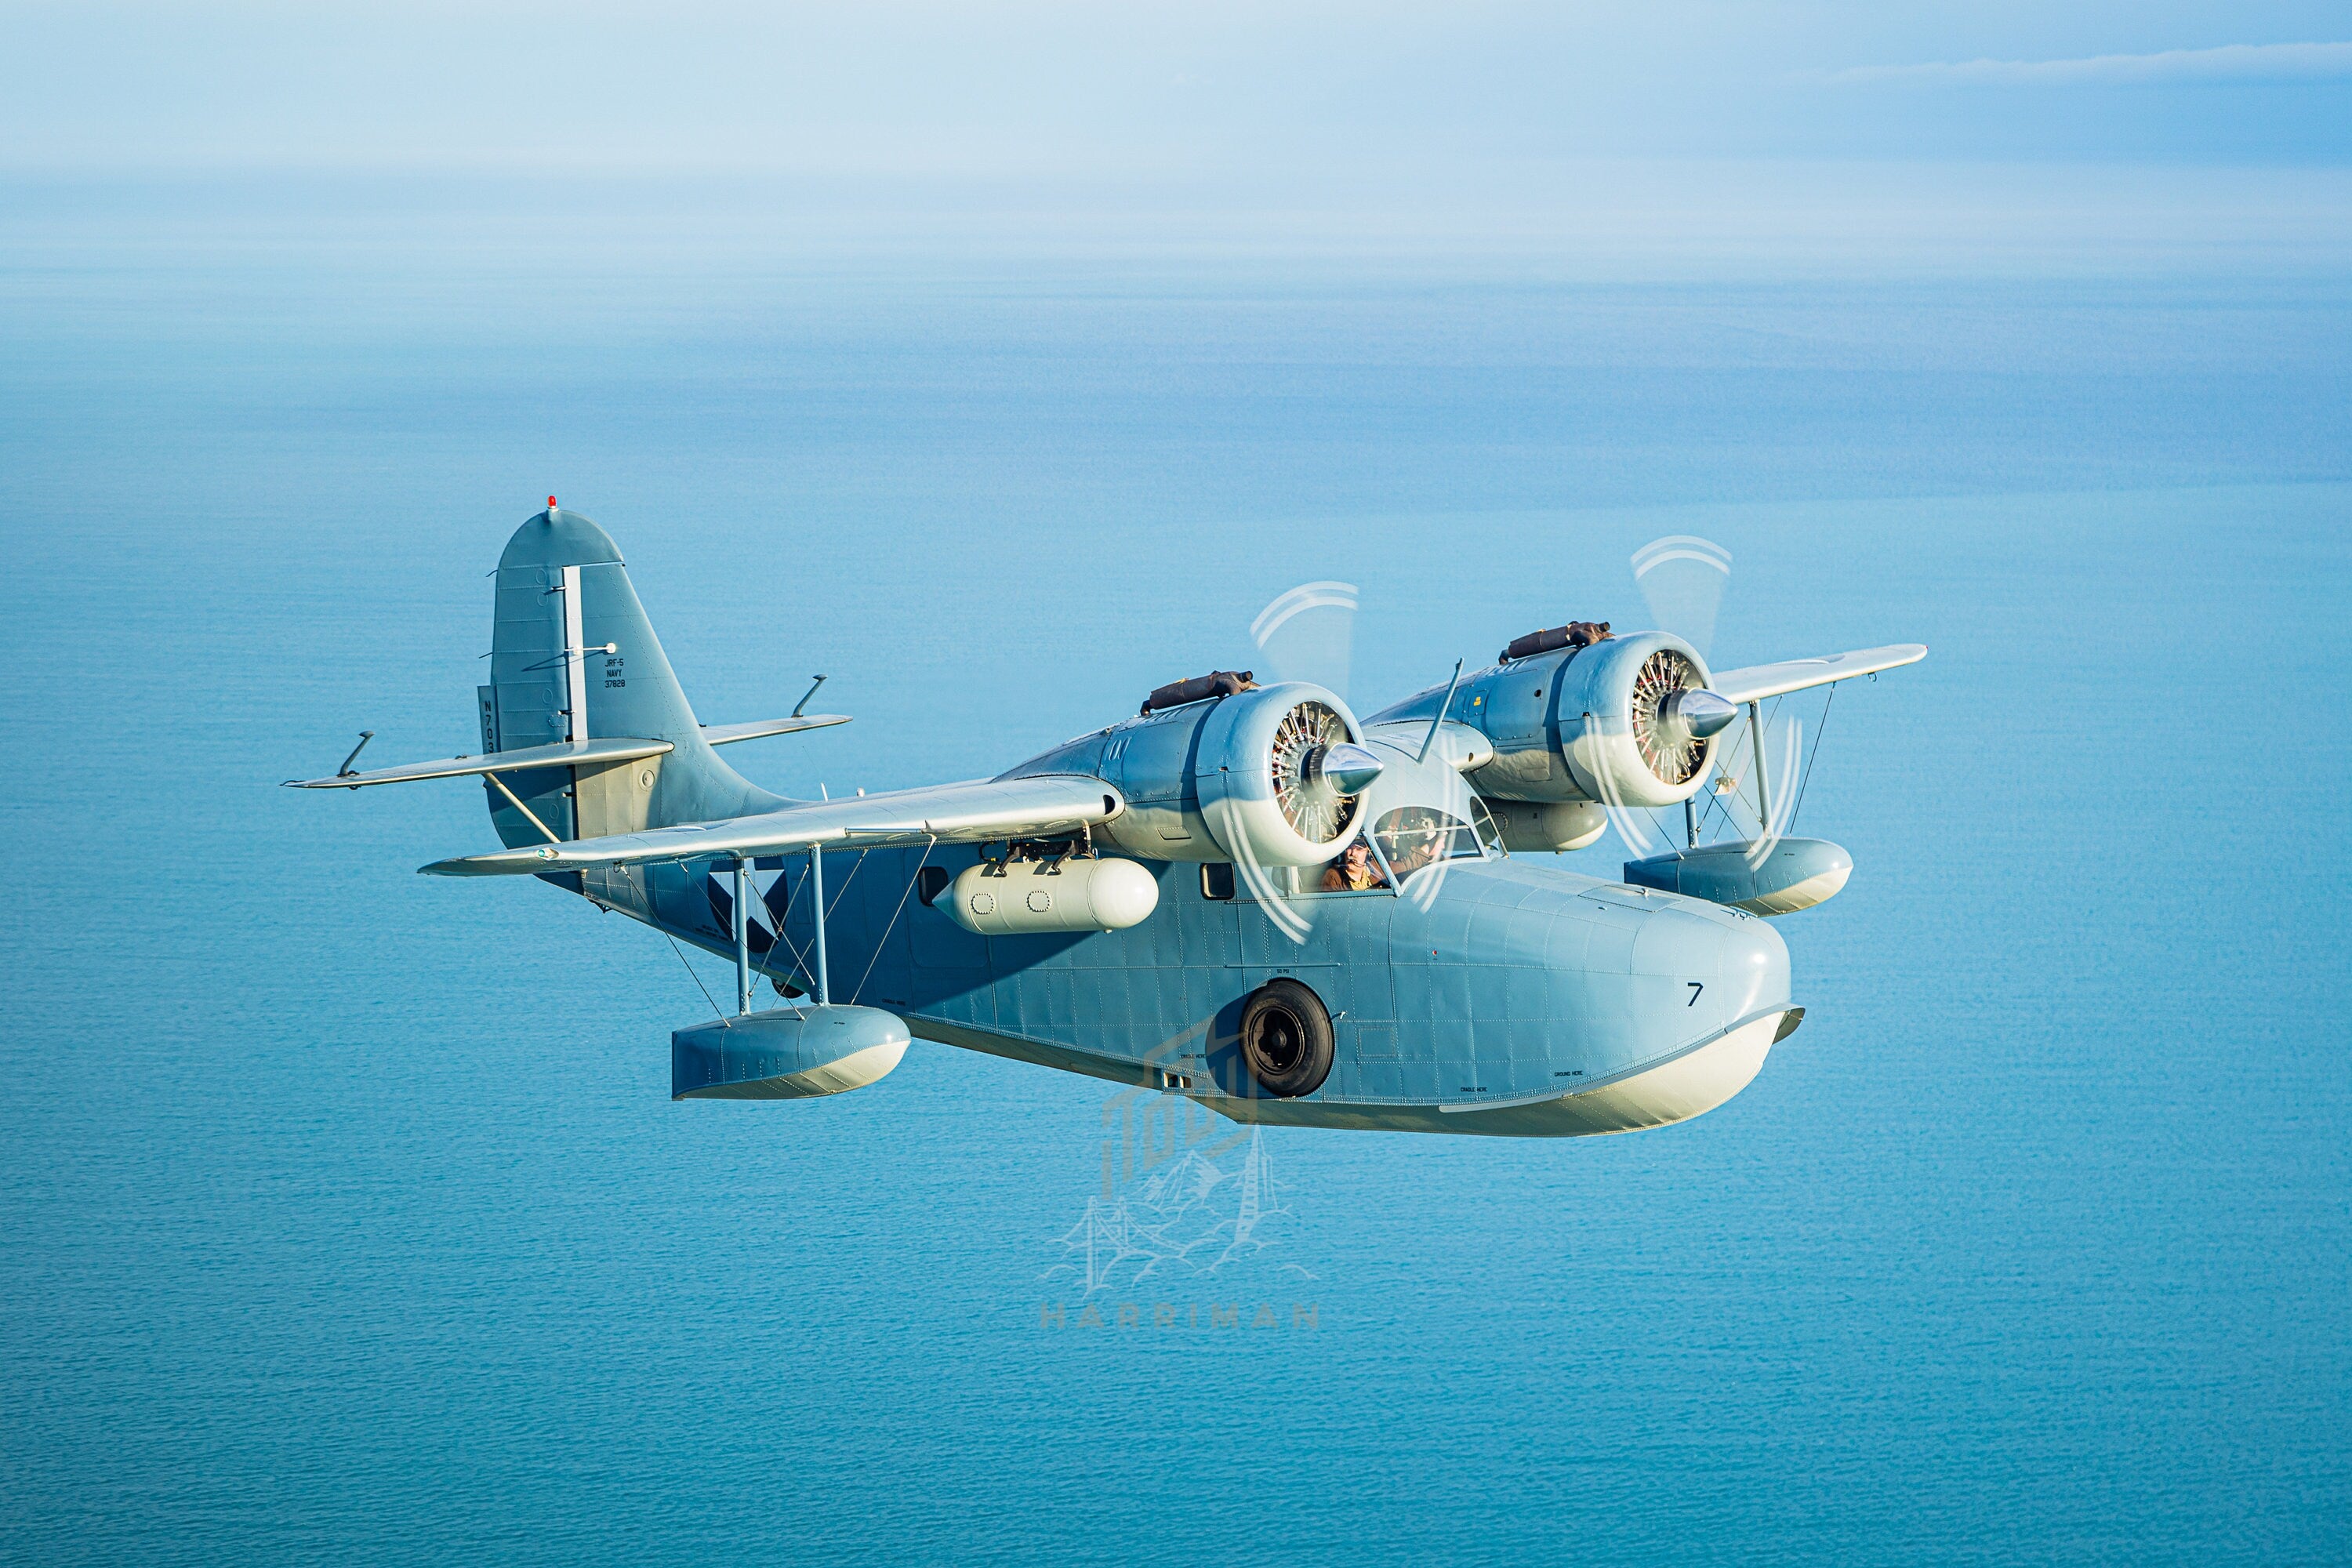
2231 62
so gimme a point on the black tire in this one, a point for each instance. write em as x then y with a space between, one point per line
1286 1038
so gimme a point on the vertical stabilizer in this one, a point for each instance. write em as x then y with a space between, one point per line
572 658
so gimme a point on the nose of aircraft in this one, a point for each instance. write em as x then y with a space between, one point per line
1753 963
1737 962
1703 1037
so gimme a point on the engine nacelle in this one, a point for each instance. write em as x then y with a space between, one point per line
1627 722
1264 778
1270 776
1617 724
1548 826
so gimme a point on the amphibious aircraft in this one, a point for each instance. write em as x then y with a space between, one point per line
1245 894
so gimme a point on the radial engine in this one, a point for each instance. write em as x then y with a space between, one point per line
1269 775
1626 722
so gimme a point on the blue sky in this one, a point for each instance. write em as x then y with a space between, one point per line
1056 89
1637 141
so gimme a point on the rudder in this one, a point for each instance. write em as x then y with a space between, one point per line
574 658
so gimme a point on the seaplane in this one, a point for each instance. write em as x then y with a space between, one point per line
1246 893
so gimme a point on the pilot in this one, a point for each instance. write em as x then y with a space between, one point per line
1422 839
1354 872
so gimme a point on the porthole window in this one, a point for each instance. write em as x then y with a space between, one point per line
931 882
1216 881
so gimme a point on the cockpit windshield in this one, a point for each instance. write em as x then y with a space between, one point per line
1412 837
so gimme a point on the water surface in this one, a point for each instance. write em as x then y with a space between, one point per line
343 1211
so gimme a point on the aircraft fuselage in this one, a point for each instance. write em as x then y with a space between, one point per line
1510 998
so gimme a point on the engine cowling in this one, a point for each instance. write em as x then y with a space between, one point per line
1270 776
1622 730
1628 719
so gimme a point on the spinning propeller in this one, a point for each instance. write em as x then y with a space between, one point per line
1682 578
1678 727
1308 634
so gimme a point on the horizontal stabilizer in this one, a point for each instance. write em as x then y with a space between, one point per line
562 754
728 734
970 812
1761 681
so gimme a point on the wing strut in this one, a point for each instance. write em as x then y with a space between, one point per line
1763 779
743 975
742 936
816 886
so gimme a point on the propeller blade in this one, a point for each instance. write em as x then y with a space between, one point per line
1309 634
1620 817
1260 880
1682 577
1422 888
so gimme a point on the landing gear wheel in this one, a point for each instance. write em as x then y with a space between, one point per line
1286 1038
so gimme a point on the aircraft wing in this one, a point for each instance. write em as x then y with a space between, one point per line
969 812
1761 681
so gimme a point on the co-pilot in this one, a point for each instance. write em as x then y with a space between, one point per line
1354 871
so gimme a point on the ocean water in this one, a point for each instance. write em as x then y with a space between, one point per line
344 1215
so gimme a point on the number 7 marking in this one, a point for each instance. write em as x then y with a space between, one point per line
1696 989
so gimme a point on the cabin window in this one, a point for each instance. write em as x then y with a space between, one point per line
1412 837
1216 881
931 882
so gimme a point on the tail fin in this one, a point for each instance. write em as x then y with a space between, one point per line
572 658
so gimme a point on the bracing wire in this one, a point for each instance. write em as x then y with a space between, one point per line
699 985
792 897
860 991
838 893
1806 778
1715 802
1721 812
800 958
646 892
